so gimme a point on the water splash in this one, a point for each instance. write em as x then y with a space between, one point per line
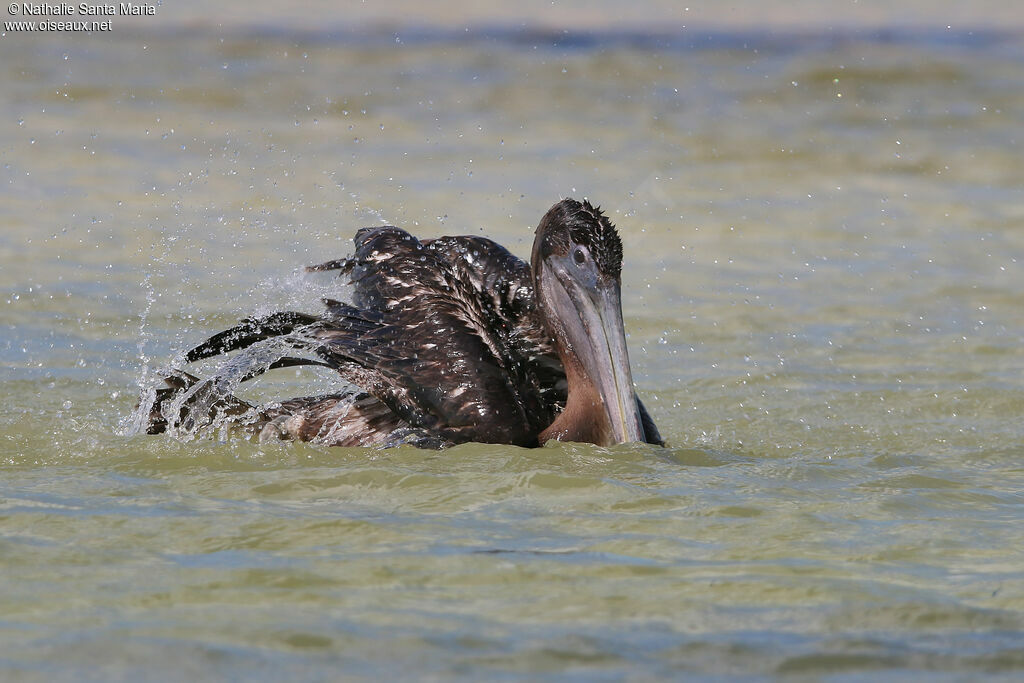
209 405
298 291
194 407
203 406
132 424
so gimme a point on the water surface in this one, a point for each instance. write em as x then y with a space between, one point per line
822 290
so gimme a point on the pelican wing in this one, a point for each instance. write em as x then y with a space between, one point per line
445 333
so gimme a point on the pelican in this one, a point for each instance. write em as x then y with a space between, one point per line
443 341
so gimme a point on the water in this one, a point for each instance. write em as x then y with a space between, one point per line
822 288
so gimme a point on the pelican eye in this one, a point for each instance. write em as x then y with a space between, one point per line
578 256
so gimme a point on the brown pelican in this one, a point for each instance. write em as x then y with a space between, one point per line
445 341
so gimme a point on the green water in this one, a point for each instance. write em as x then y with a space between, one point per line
824 242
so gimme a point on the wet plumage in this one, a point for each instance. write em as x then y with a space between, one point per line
444 341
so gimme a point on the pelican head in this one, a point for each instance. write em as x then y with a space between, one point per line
576 265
